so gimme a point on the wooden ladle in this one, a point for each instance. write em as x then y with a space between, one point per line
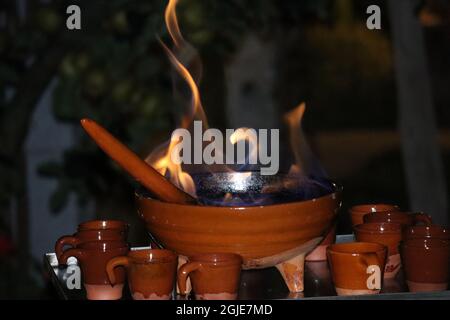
151 179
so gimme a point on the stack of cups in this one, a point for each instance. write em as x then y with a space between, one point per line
414 244
93 245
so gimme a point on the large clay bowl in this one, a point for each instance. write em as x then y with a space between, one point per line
263 235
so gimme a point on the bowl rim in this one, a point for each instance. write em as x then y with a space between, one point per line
338 188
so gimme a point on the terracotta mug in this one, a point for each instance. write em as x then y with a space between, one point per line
429 231
320 252
87 236
357 267
93 257
104 225
426 264
404 218
358 212
151 273
388 234
214 276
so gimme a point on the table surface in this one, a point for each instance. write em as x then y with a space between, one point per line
268 284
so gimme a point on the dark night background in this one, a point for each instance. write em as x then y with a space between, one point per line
377 104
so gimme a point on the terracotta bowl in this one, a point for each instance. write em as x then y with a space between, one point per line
274 235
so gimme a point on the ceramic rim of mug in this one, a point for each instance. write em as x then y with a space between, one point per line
356 248
103 245
221 259
442 230
392 214
103 232
368 208
149 256
391 228
428 243
103 225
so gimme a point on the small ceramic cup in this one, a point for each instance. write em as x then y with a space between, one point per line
404 218
357 267
320 252
426 264
214 276
388 234
150 272
88 236
358 212
93 257
429 231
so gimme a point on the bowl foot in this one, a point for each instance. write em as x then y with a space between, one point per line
292 271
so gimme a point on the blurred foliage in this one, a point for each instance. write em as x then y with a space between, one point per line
118 74
352 65
19 283
121 77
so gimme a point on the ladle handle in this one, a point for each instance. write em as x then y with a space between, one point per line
135 166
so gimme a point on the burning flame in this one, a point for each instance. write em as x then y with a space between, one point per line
160 159
197 108
172 23
294 120
165 166
242 134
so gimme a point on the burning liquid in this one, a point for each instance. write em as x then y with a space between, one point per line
304 181
253 189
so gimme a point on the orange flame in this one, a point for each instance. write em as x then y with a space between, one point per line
242 134
172 23
294 121
197 108
160 159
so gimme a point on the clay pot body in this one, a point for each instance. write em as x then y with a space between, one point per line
388 234
104 225
401 217
150 272
358 212
429 231
94 230
213 276
357 267
263 235
88 236
426 264
93 257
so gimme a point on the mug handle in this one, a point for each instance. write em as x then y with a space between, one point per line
74 252
115 262
422 217
65 241
183 274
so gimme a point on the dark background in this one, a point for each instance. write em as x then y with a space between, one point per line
260 59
